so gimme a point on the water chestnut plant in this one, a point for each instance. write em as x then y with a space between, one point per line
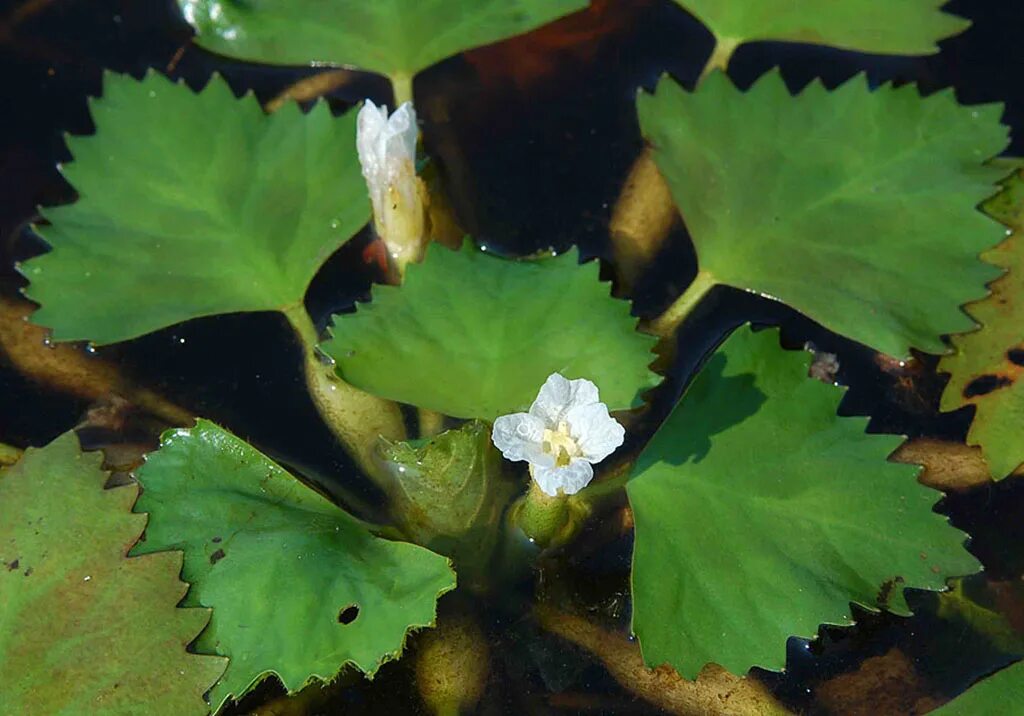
510 413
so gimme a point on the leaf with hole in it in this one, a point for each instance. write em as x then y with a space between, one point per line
475 336
987 370
1000 694
761 514
298 587
856 208
392 37
83 628
896 27
192 205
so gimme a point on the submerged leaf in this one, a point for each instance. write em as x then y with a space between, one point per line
393 37
83 628
987 370
998 695
299 588
475 336
761 514
855 207
192 205
896 27
449 493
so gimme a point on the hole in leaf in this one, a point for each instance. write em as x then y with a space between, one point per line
348 614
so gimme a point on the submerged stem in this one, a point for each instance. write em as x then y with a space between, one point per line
665 324
9 454
356 418
715 690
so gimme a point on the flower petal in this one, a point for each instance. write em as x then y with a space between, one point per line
570 478
403 132
558 396
519 437
596 432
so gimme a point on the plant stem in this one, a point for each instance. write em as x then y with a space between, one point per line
720 56
9 454
431 422
715 690
667 322
641 220
356 418
402 87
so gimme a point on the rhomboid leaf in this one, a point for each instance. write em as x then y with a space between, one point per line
393 37
896 27
299 588
192 205
855 207
987 370
761 514
84 629
475 336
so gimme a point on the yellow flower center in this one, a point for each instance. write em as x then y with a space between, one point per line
559 444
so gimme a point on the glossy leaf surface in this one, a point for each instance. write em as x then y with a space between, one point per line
475 336
299 588
855 207
83 628
192 205
896 27
392 37
761 514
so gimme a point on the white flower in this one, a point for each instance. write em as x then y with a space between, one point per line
567 430
387 155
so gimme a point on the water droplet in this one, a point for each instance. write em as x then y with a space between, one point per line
335 223
152 93
181 340
90 348
87 578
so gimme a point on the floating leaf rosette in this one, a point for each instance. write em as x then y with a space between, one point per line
83 628
217 207
855 207
299 588
472 335
761 514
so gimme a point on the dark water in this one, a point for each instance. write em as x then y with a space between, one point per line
533 139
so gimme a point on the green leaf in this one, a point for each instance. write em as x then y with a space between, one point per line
392 37
987 370
998 695
854 207
280 565
475 336
760 514
896 27
193 205
83 628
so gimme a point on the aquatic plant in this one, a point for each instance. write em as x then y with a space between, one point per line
759 512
